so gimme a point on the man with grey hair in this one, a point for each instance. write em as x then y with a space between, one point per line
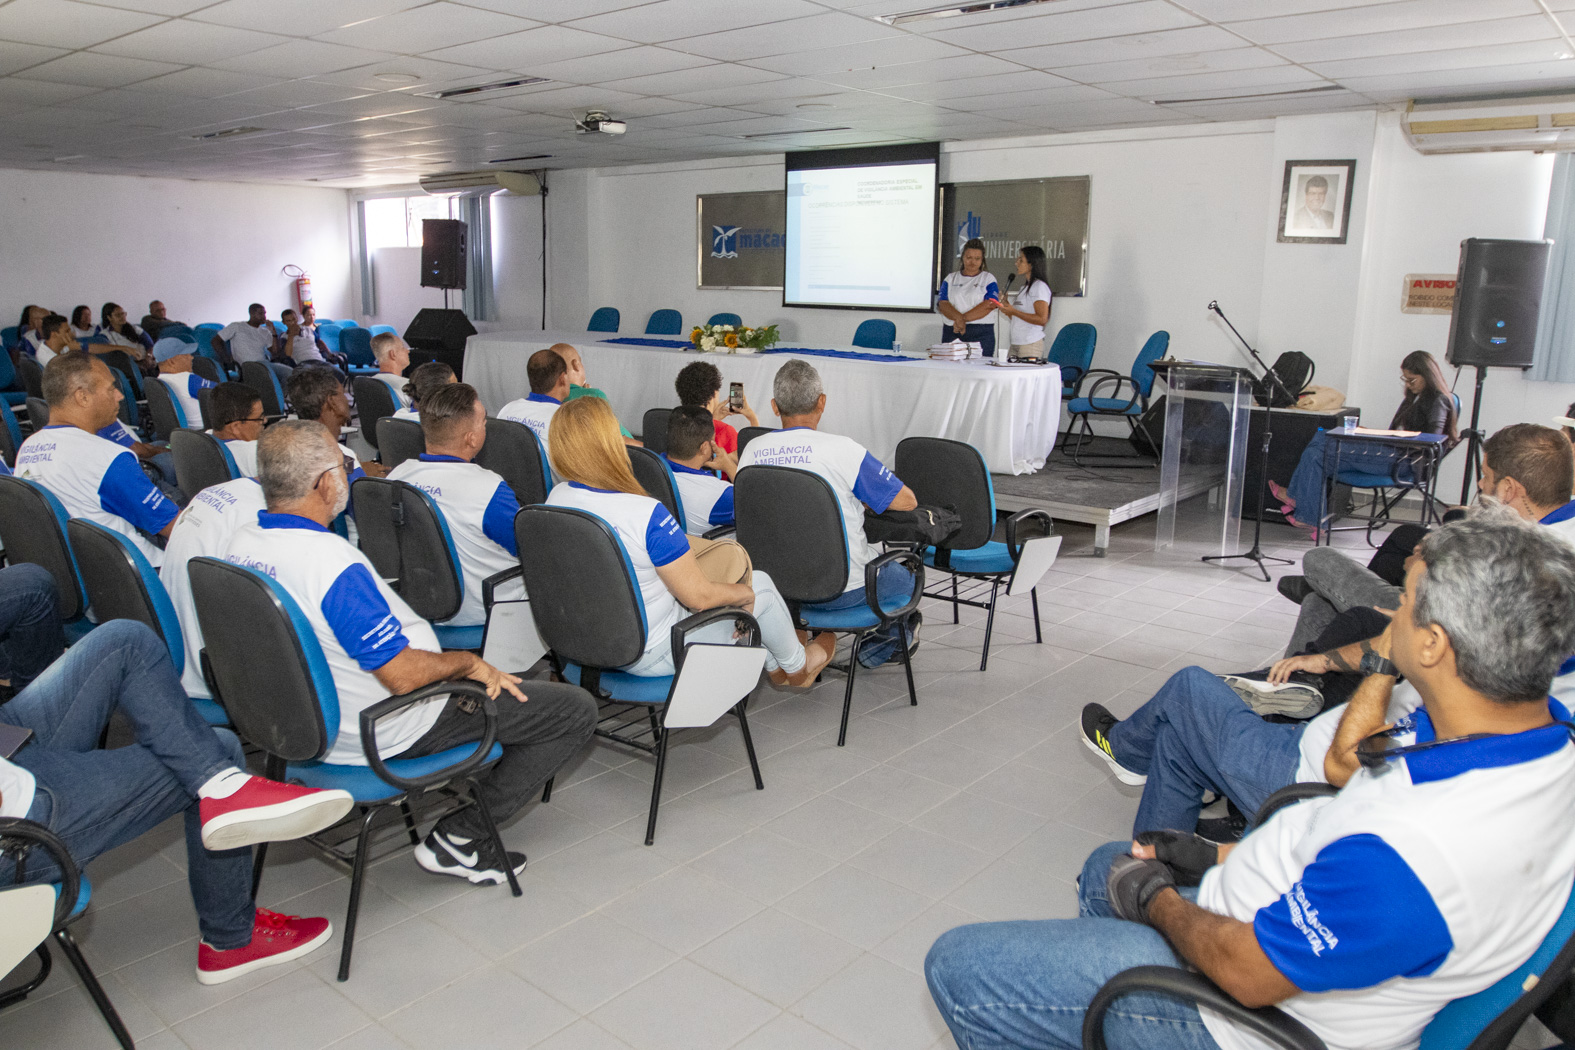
376 646
857 478
1438 867
393 357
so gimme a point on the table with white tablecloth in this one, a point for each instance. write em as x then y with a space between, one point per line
1010 414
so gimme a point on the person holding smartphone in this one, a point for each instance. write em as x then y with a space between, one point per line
700 385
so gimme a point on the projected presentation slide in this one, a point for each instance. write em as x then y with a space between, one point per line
861 236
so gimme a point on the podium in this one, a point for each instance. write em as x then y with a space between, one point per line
1207 413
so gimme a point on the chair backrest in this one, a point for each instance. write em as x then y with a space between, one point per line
748 434
328 332
347 322
513 452
207 367
10 434
726 318
10 336
267 665
373 401
201 460
37 413
261 378
665 322
399 440
379 329
205 401
791 525
32 376
7 371
167 414
1073 350
127 410
1154 348
33 529
176 330
584 597
406 538
121 585
656 477
605 319
875 334
946 473
356 345
205 333
653 428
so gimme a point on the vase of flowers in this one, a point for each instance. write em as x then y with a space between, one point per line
732 339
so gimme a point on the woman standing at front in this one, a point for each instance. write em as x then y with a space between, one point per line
1030 306
967 296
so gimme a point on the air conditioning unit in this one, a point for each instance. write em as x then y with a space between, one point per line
1544 123
482 183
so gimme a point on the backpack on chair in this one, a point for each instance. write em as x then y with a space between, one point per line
924 526
1294 370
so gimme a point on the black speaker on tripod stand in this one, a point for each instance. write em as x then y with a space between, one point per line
1498 296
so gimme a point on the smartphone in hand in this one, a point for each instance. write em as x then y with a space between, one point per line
735 396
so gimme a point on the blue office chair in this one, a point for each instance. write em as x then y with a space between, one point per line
270 672
356 345
33 529
726 318
513 453
201 461
1140 381
374 402
262 379
11 389
10 434
348 323
1073 352
328 332
10 338
383 329
588 610
605 319
875 334
165 412
655 476
748 434
665 322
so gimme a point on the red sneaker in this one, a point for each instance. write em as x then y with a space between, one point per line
275 939
268 811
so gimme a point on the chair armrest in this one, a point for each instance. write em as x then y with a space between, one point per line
1079 377
1114 379
1273 1025
490 585
18 835
1017 522
464 767
718 532
682 629
1292 793
915 562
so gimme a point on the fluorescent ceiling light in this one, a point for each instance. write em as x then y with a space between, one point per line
782 134
1240 98
984 7
230 133
466 92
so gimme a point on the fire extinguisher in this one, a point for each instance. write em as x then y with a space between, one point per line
303 286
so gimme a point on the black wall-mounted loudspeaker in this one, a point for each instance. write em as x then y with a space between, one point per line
1498 294
442 253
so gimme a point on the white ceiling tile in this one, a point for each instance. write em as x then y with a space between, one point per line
1193 40
564 100
615 65
1240 81
815 105
197 82
1022 80
1254 110
1528 77
555 10
869 55
1017 100
1380 18
172 8
522 51
193 43
1053 27
17 92
1436 61
97 70
1173 65
298 17
786 91
944 70
680 19
305 58
779 38
1437 38
423 29
385 104
292 94
14 57
696 119
699 79
63 23
429 74
1236 10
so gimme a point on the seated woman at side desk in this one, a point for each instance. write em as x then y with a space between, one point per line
1427 408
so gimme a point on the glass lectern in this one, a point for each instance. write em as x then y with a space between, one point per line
1207 411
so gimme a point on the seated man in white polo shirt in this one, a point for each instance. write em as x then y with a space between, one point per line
377 647
393 357
549 389
478 505
93 477
858 479
253 339
691 450
1437 869
238 421
174 360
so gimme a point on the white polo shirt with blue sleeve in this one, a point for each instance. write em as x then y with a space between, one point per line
707 499
858 479
535 411
1420 883
652 539
360 623
479 508
98 480
965 293
184 387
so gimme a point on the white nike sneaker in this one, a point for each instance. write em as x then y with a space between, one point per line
474 860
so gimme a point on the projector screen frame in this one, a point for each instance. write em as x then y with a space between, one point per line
872 157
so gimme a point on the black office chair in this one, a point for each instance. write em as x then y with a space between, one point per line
32 376
749 434
587 607
791 524
373 401
205 405
37 412
513 452
399 440
166 413
261 378
653 429
208 368
201 460
656 478
946 473
33 529
270 672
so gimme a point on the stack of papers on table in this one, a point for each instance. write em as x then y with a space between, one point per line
955 351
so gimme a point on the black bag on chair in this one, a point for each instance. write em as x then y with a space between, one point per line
924 526
1294 370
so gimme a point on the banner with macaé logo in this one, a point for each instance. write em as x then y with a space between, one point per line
1049 213
739 237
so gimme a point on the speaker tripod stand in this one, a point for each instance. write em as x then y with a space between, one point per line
1474 438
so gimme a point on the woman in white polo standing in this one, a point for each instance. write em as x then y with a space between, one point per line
967 296
1030 305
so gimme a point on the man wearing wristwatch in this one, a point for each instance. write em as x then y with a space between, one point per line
1435 871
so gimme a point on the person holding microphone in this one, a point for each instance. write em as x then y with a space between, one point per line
967 296
1029 308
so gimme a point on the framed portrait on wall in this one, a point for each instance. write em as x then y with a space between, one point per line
1315 201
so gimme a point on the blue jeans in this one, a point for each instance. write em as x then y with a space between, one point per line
96 800
893 582
29 625
1196 735
1317 464
1026 985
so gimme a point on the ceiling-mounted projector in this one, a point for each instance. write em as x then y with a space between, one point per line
598 123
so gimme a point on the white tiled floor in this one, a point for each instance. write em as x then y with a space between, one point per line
794 917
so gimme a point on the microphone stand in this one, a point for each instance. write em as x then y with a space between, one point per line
1256 554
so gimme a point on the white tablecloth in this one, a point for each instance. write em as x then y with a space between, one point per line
1009 414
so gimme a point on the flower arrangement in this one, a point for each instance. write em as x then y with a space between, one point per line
732 339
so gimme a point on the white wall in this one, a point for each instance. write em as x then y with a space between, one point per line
396 274
207 249
516 261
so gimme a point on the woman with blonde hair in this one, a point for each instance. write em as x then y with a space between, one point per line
589 455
